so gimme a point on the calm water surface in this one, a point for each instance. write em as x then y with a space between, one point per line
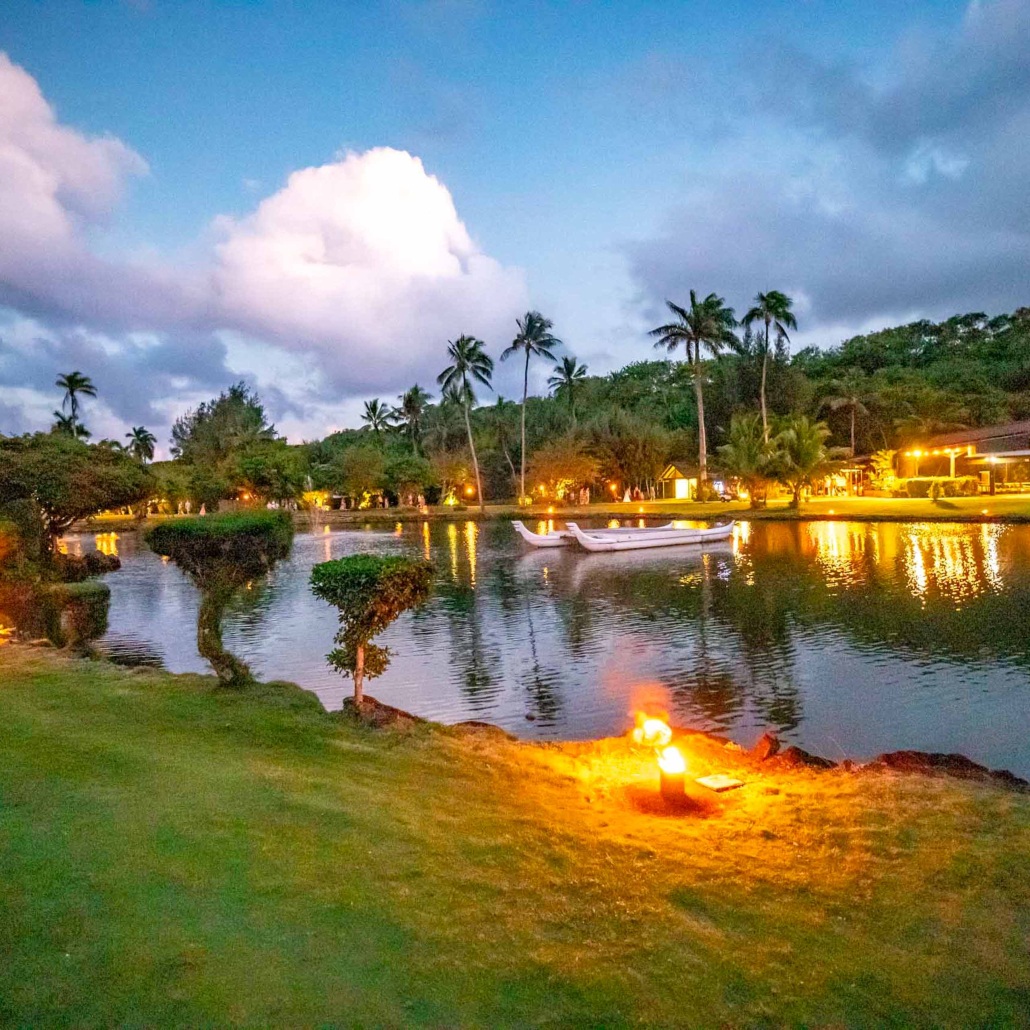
847 638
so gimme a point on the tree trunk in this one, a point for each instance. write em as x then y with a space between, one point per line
359 675
522 462
475 460
761 394
231 672
702 437
852 430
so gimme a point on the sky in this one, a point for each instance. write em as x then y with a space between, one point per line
316 197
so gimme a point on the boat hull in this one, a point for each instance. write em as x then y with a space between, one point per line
645 538
556 539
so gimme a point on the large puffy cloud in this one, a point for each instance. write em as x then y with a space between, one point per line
362 266
366 263
874 194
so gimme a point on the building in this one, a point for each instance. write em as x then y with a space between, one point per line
678 482
998 456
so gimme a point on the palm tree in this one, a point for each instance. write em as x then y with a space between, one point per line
377 416
534 338
69 427
747 456
141 444
772 309
849 392
707 324
75 384
568 375
411 411
802 452
469 361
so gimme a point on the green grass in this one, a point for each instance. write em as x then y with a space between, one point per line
175 853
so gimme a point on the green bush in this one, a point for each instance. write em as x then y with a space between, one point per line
370 592
221 553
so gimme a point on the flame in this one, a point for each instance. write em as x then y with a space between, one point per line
672 762
652 731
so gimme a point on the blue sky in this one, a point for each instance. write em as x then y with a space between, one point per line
867 158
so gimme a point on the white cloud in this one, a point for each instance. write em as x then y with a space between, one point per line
366 263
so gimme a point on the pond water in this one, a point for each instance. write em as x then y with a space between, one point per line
847 638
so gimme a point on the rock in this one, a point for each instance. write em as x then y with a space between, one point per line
486 728
767 746
377 715
938 763
530 717
795 757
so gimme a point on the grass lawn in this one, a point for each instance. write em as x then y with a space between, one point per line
171 852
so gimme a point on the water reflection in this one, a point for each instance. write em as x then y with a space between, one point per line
849 638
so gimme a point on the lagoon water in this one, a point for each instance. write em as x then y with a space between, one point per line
847 638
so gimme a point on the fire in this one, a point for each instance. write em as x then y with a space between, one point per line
671 761
651 731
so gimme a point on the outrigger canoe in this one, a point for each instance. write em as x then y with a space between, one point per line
560 537
635 539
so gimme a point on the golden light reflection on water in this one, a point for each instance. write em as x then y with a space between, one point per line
471 532
840 550
452 546
957 562
425 541
107 543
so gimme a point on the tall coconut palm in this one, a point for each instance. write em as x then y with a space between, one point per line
568 376
800 455
534 339
469 363
773 309
706 325
141 443
411 413
377 416
75 384
849 392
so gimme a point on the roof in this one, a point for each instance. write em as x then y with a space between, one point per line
685 467
984 433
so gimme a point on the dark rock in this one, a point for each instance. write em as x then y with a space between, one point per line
486 728
938 763
767 746
378 715
530 717
795 757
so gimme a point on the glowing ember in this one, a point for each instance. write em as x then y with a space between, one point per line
671 762
652 732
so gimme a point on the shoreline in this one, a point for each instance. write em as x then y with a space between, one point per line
1002 509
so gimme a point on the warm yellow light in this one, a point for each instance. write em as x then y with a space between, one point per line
672 762
831 511
550 511
652 732
469 491
640 510
984 512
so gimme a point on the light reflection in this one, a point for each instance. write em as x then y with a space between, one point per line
471 531
425 540
107 543
452 546
839 550
992 564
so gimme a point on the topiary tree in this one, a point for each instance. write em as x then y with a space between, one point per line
370 592
221 554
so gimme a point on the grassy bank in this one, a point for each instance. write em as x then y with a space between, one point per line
173 853
1000 508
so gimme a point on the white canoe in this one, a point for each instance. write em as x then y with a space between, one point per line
555 538
623 530
641 538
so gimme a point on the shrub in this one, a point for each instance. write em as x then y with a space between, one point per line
370 592
221 553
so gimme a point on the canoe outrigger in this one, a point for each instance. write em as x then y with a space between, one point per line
563 537
634 539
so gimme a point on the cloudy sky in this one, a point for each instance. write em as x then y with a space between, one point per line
315 197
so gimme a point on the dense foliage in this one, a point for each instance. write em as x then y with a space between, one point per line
370 592
222 553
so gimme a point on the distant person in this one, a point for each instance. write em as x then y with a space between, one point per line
203 509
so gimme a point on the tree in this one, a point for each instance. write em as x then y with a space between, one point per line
469 362
409 475
67 426
219 428
141 444
534 338
849 393
75 384
445 422
706 325
773 309
362 472
747 455
801 453
221 554
568 375
377 416
411 413
629 450
270 469
65 480
369 592
562 465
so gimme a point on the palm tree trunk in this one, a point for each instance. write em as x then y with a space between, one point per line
702 438
761 393
852 430
522 461
475 460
